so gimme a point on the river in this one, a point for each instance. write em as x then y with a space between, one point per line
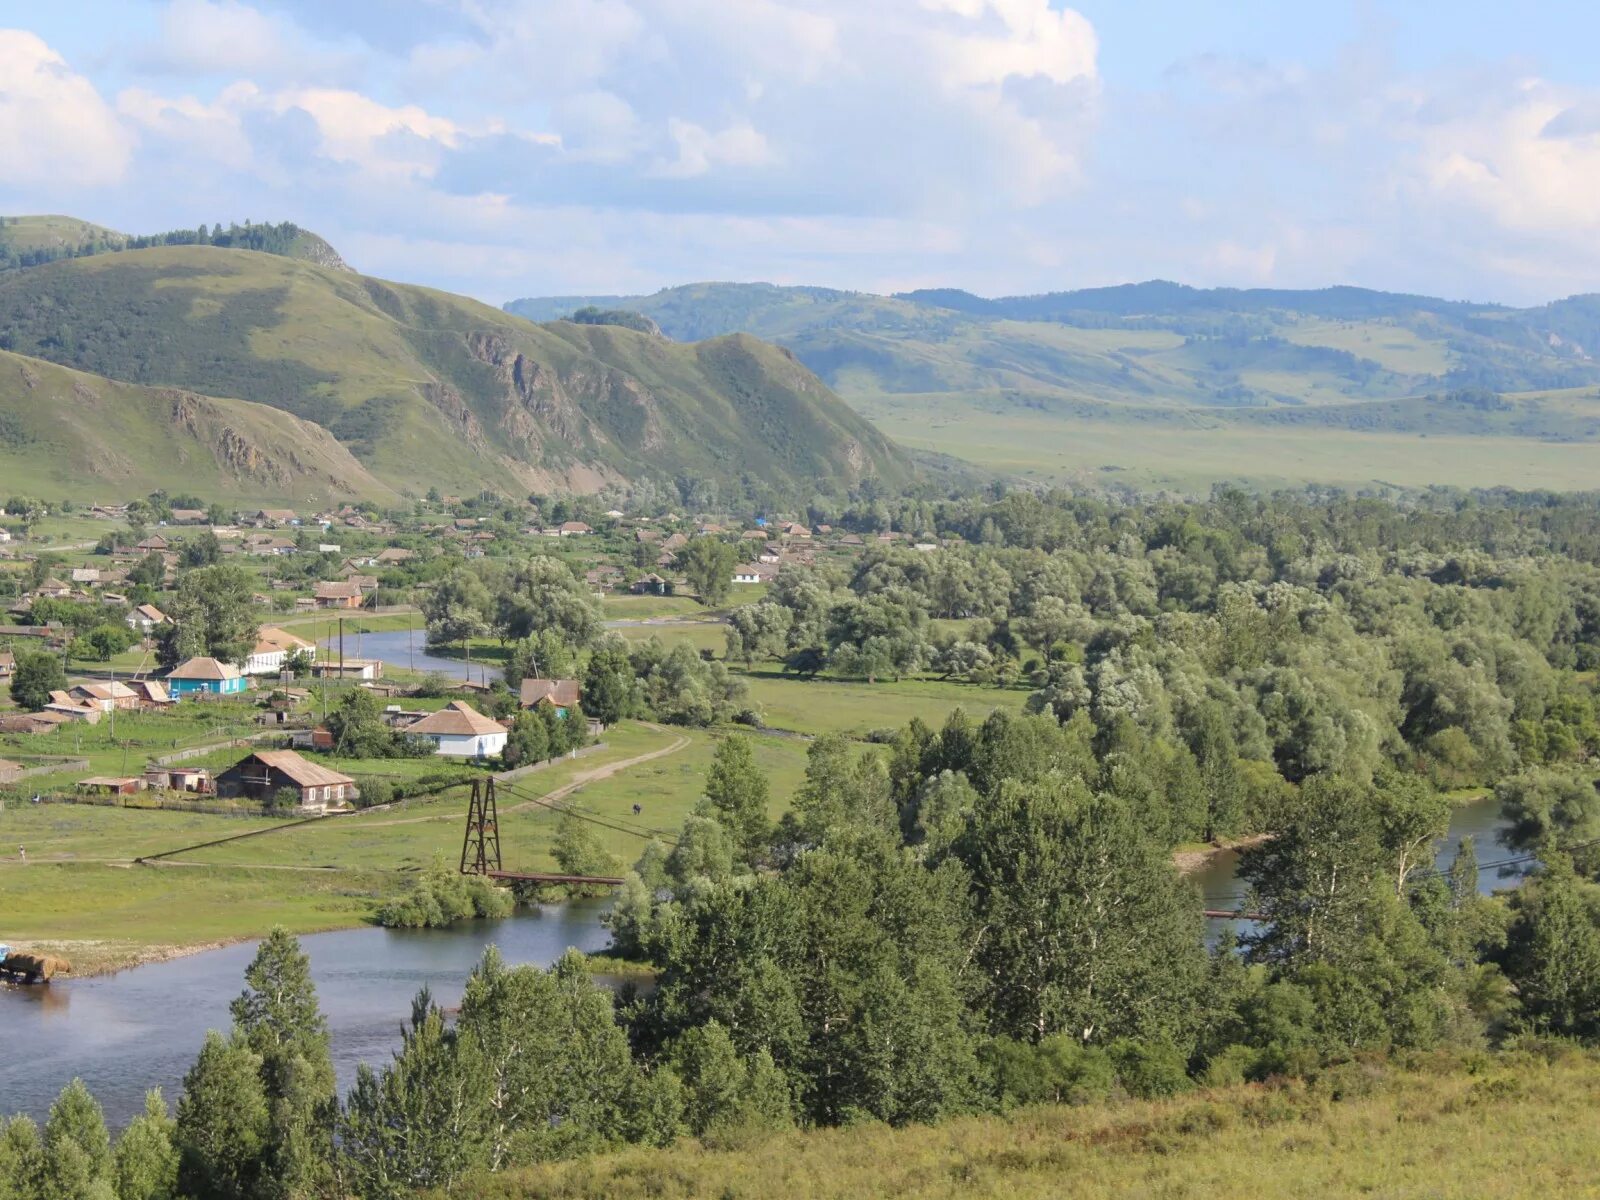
143 1027
1480 820
406 648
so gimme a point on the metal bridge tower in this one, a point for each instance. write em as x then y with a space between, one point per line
480 848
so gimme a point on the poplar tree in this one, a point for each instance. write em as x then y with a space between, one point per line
146 1166
736 794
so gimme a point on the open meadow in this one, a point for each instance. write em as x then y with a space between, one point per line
1439 1131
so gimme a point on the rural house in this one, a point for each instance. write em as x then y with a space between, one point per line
561 694
205 675
462 731
262 775
273 648
338 594
105 696
145 618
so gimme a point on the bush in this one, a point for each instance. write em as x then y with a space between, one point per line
440 897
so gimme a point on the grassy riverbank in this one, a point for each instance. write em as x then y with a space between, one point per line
1519 1127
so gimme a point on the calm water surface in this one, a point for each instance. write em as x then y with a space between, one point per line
142 1028
1221 887
406 648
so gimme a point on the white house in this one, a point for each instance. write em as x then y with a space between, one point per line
273 648
462 731
145 618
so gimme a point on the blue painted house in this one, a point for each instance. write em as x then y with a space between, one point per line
204 675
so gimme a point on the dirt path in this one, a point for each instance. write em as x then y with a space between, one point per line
592 775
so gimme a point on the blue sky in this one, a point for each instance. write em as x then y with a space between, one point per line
520 147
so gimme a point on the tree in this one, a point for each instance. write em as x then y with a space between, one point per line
544 594
1552 954
21 1159
708 563
146 1166
150 570
551 1061
77 1148
725 1090
278 1018
1088 929
223 1124
358 728
528 742
608 683
203 550
577 847
1313 881
736 793
213 614
456 608
414 1127
37 674
102 643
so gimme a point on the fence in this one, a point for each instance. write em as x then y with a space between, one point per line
178 756
49 766
145 802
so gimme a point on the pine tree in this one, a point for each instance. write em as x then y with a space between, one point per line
278 1017
1553 954
414 1126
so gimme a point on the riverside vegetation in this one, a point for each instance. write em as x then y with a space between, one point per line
968 916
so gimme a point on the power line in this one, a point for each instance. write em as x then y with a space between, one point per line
644 832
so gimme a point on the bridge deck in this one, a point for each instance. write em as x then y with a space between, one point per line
538 877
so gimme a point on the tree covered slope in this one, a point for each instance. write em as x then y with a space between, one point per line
430 389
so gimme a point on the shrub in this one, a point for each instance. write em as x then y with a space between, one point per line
440 896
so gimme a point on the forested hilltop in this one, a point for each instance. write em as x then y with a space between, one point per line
957 921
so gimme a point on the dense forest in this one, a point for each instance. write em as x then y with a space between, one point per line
968 918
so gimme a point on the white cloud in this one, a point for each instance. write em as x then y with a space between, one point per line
1529 159
55 129
699 150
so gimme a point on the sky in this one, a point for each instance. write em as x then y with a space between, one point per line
506 148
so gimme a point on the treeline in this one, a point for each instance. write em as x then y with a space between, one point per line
1296 638
282 238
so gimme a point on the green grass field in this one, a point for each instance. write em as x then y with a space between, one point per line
833 706
1442 1131
1189 457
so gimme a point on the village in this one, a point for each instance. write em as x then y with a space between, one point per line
238 733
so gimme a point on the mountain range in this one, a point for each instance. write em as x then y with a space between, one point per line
1182 384
315 379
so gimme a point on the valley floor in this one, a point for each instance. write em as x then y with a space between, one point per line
1516 1127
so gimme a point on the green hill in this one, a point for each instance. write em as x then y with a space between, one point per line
1274 386
429 389
66 433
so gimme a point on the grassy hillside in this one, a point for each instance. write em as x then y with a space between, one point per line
67 433
1178 386
1521 1129
426 388
23 235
